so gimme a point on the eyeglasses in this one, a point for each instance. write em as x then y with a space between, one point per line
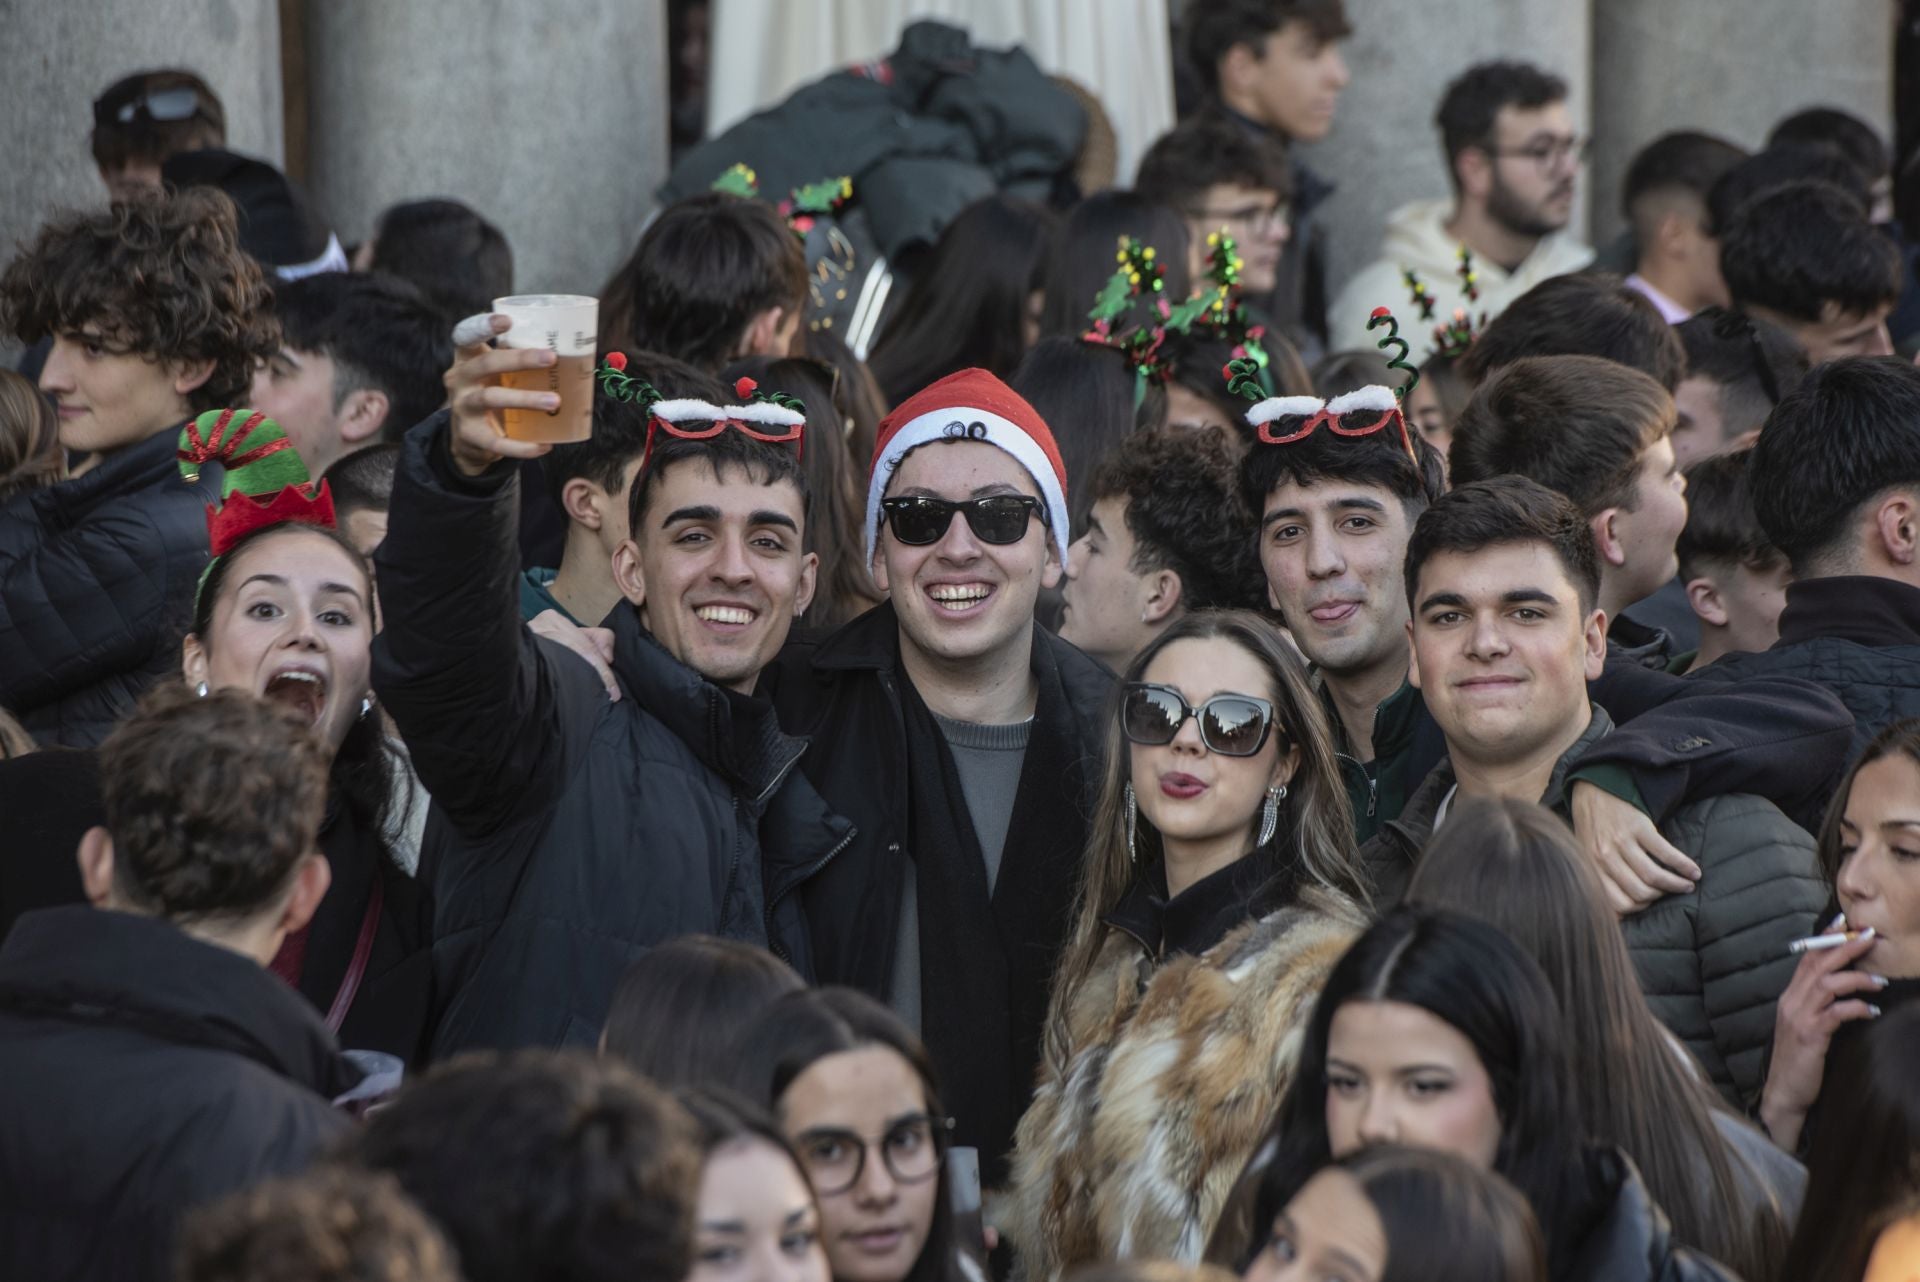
1254 217
999 518
1233 725
1355 414
1549 153
177 102
794 434
911 1151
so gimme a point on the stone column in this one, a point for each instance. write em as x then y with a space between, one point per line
1728 67
55 58
1384 149
549 119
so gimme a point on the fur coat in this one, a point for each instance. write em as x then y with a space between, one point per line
1173 1077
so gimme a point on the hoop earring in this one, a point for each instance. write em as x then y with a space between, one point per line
1270 815
200 691
1133 811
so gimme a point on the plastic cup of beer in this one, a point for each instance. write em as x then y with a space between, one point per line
566 325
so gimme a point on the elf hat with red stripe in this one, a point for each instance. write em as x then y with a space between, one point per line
972 405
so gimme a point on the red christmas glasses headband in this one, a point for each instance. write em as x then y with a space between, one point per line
1282 420
772 417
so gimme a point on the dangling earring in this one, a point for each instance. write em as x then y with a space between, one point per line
1133 855
201 690
366 706
1270 815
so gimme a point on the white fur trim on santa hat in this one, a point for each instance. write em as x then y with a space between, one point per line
932 426
1372 397
1282 406
688 411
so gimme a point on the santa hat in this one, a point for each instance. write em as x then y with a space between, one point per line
971 405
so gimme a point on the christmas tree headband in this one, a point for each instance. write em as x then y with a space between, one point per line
265 482
772 417
832 255
1223 314
1451 337
1283 420
1137 285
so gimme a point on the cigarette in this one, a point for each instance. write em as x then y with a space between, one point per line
1819 943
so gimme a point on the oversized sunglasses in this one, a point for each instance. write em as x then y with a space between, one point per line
1284 420
1233 725
998 518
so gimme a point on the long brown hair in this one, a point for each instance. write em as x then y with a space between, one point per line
1316 835
1901 739
30 453
1514 865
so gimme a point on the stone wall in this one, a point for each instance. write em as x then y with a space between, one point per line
550 119
57 55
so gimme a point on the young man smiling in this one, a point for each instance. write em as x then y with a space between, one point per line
962 740
1336 515
1503 586
569 833
155 315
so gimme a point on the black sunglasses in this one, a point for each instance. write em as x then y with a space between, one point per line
176 102
1233 725
999 518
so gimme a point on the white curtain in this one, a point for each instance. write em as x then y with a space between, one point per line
763 50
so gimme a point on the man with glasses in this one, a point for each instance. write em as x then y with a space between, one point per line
1273 71
145 119
962 740
1513 156
1218 177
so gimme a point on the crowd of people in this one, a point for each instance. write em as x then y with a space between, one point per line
1417 779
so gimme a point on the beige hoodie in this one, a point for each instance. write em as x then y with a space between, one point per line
1416 238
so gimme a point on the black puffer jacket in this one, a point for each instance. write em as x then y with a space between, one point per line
97 576
1857 635
1620 1235
569 834
1713 961
145 1073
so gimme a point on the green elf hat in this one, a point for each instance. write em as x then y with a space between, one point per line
266 482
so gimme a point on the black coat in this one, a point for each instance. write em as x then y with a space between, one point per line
939 125
569 834
846 691
1856 635
97 577
1620 1235
50 798
145 1073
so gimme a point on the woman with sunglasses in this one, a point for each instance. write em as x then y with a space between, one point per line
854 1093
1219 887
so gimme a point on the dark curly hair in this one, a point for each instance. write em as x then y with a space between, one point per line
544 1164
210 801
329 1225
1183 506
161 276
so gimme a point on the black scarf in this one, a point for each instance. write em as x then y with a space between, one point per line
986 960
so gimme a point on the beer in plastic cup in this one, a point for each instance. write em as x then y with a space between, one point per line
567 326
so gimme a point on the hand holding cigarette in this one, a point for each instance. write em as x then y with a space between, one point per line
1825 993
